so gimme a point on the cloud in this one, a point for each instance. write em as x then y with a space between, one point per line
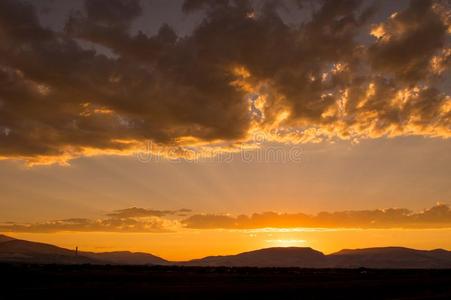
142 212
163 221
242 70
126 220
438 216
408 41
154 225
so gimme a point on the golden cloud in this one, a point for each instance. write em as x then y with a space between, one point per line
242 71
438 216
162 221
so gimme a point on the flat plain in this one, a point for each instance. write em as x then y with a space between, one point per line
25 281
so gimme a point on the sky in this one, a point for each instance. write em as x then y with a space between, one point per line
193 128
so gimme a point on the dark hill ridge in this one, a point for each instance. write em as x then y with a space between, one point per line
391 257
4 238
32 252
126 258
269 257
14 250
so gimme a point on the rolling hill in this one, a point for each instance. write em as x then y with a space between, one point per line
391 257
14 250
21 251
270 257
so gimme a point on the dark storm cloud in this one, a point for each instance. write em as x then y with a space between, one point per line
408 41
243 69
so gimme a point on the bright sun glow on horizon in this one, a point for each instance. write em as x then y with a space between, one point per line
191 244
286 243
193 128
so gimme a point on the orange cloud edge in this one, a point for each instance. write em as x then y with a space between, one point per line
140 220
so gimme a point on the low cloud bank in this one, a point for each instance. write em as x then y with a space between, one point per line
163 221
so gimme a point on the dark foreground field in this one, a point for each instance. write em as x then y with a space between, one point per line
141 282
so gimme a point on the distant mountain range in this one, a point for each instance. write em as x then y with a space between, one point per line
14 250
21 251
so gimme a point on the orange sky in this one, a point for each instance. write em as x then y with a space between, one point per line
191 244
188 128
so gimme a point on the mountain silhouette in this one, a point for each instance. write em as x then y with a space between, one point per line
21 251
391 257
4 238
15 250
269 257
126 258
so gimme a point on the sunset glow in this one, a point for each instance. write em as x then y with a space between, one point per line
192 128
